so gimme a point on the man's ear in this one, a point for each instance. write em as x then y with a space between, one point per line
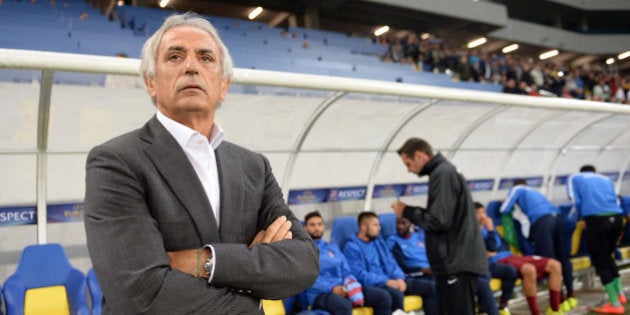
225 86
150 83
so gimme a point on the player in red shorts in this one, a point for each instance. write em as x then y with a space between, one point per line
530 268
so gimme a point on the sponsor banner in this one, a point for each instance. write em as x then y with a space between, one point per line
389 191
507 183
10 216
69 212
480 184
614 176
561 180
346 193
416 189
307 196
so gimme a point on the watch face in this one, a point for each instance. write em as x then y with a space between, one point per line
208 266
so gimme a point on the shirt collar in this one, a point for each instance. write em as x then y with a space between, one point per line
183 134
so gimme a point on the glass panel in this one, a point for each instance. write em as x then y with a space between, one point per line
14 239
556 132
503 130
603 132
265 122
334 169
84 116
18 179
358 122
442 124
18 115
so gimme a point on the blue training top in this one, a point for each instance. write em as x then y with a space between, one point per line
534 204
333 268
593 194
414 248
495 243
371 262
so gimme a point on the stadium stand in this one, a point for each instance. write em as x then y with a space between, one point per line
60 28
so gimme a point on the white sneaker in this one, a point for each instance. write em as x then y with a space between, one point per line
401 312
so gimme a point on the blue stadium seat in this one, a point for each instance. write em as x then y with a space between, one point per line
96 295
569 219
625 204
388 224
492 210
45 282
342 230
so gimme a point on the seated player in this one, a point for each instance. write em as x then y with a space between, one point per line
530 268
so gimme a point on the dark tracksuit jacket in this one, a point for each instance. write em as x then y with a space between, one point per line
453 239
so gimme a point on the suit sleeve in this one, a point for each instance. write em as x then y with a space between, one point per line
269 271
127 250
129 256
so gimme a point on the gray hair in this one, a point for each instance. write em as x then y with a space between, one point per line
149 50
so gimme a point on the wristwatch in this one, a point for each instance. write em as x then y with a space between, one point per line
207 266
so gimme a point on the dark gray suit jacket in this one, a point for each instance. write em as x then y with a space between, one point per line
143 198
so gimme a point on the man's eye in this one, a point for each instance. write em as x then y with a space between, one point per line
174 57
206 58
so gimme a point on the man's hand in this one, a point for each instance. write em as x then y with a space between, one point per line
279 230
398 207
427 271
393 283
187 261
398 284
402 285
487 223
581 224
340 290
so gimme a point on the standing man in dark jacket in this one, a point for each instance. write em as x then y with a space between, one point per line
455 247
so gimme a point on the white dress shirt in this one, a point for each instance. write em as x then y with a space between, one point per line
200 153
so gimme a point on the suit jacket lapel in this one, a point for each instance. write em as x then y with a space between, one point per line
172 163
230 181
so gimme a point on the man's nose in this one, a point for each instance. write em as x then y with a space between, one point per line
192 66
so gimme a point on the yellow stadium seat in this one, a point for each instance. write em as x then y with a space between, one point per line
495 284
362 311
625 252
580 263
45 283
46 301
576 239
499 229
412 303
273 307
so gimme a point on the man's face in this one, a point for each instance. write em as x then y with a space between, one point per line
371 228
315 227
189 73
403 226
416 162
481 214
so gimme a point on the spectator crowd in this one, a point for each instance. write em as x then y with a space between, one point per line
518 74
